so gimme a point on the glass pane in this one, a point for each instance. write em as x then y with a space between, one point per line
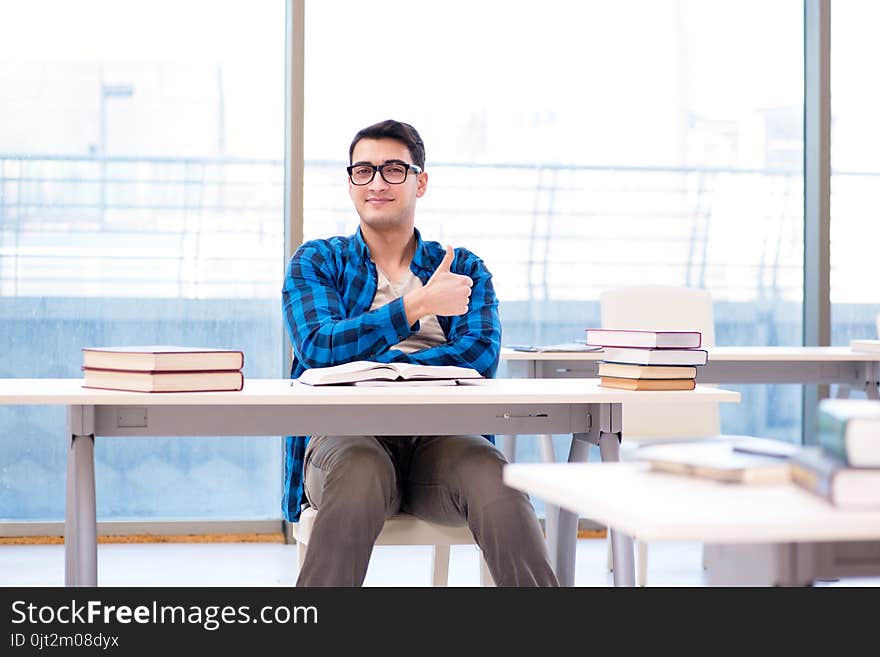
855 172
588 145
141 202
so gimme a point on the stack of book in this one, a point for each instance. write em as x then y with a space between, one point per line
844 468
648 360
162 368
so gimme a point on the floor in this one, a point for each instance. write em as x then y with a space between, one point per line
275 564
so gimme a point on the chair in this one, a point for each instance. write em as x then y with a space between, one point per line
659 307
406 529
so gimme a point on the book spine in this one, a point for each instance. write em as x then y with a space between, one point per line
831 431
817 483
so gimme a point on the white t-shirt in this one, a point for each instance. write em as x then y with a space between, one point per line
429 334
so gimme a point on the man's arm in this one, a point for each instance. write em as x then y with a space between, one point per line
474 337
317 322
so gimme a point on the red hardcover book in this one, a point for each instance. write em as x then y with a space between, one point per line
136 381
162 358
644 338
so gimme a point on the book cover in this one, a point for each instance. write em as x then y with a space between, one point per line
162 358
626 371
850 429
823 474
172 381
742 460
365 370
643 338
865 345
647 384
641 356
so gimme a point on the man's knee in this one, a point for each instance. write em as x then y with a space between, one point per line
479 465
361 465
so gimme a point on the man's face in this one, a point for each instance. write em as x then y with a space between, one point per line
379 204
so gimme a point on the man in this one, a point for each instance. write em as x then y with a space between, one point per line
384 294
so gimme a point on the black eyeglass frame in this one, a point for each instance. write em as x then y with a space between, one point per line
381 169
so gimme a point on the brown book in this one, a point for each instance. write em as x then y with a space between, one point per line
162 358
629 371
133 381
647 384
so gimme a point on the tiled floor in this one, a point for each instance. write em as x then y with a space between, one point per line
275 564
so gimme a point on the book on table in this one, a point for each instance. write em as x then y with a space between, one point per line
366 370
822 473
865 345
642 356
162 358
628 371
739 459
646 384
607 337
169 381
850 429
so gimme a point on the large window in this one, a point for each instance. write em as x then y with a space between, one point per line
855 179
581 146
141 202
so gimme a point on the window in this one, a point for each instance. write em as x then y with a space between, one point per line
855 169
588 145
141 202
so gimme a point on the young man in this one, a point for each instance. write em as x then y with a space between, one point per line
384 294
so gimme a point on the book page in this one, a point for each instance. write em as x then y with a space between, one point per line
415 370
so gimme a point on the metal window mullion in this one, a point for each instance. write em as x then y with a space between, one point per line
817 194
293 145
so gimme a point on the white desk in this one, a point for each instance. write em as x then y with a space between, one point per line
273 407
859 370
652 506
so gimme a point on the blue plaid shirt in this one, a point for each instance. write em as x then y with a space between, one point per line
329 287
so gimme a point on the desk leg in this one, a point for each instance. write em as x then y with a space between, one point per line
70 533
872 385
565 535
551 511
81 527
621 544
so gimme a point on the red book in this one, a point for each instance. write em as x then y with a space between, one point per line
644 338
162 358
134 381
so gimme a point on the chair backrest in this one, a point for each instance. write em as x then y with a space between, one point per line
660 307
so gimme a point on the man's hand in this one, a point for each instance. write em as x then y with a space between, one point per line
445 293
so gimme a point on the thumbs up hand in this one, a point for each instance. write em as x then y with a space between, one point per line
447 293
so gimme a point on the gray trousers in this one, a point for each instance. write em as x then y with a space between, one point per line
357 482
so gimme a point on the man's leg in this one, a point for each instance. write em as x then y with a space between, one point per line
455 480
351 481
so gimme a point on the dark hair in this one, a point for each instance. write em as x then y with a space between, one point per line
391 129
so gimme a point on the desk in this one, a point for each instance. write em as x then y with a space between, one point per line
858 370
653 506
275 407
802 365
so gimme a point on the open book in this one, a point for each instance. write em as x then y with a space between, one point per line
742 459
366 370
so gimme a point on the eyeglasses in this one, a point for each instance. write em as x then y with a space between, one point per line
393 173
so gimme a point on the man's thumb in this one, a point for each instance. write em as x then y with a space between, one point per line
446 263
